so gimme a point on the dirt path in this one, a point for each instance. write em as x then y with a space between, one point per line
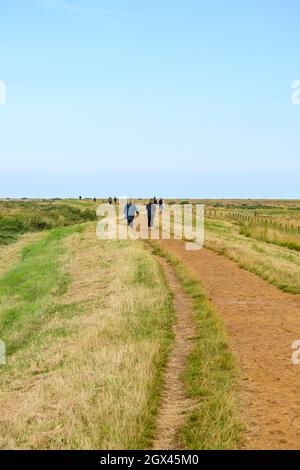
174 403
262 322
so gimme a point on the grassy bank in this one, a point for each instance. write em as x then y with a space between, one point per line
266 233
12 253
211 374
19 217
87 325
278 265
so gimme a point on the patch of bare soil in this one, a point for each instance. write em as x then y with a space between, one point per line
174 402
262 322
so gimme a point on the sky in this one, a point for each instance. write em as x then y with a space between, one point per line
170 98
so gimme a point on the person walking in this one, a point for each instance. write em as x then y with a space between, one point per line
150 212
130 212
161 205
115 200
110 200
154 200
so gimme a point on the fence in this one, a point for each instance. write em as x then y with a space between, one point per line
253 219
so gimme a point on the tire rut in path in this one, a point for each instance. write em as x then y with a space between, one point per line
174 402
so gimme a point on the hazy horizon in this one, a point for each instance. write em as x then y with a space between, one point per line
208 186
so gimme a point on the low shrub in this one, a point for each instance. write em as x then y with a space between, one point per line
17 218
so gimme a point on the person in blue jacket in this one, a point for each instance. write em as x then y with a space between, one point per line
130 212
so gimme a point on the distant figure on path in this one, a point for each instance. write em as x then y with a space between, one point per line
154 200
80 198
130 212
116 200
161 205
95 200
110 200
151 212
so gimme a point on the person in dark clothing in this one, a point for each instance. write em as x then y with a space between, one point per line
95 200
80 198
130 212
150 212
110 200
116 200
154 200
161 205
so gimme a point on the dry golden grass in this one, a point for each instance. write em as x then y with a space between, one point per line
90 377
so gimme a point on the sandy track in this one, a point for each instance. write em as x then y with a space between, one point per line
174 403
262 322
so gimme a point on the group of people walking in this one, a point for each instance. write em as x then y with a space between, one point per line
130 211
110 200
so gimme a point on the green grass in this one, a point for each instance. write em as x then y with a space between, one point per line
19 217
263 232
211 374
26 291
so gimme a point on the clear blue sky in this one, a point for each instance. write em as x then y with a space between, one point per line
184 98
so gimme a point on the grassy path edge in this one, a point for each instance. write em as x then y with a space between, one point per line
211 374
